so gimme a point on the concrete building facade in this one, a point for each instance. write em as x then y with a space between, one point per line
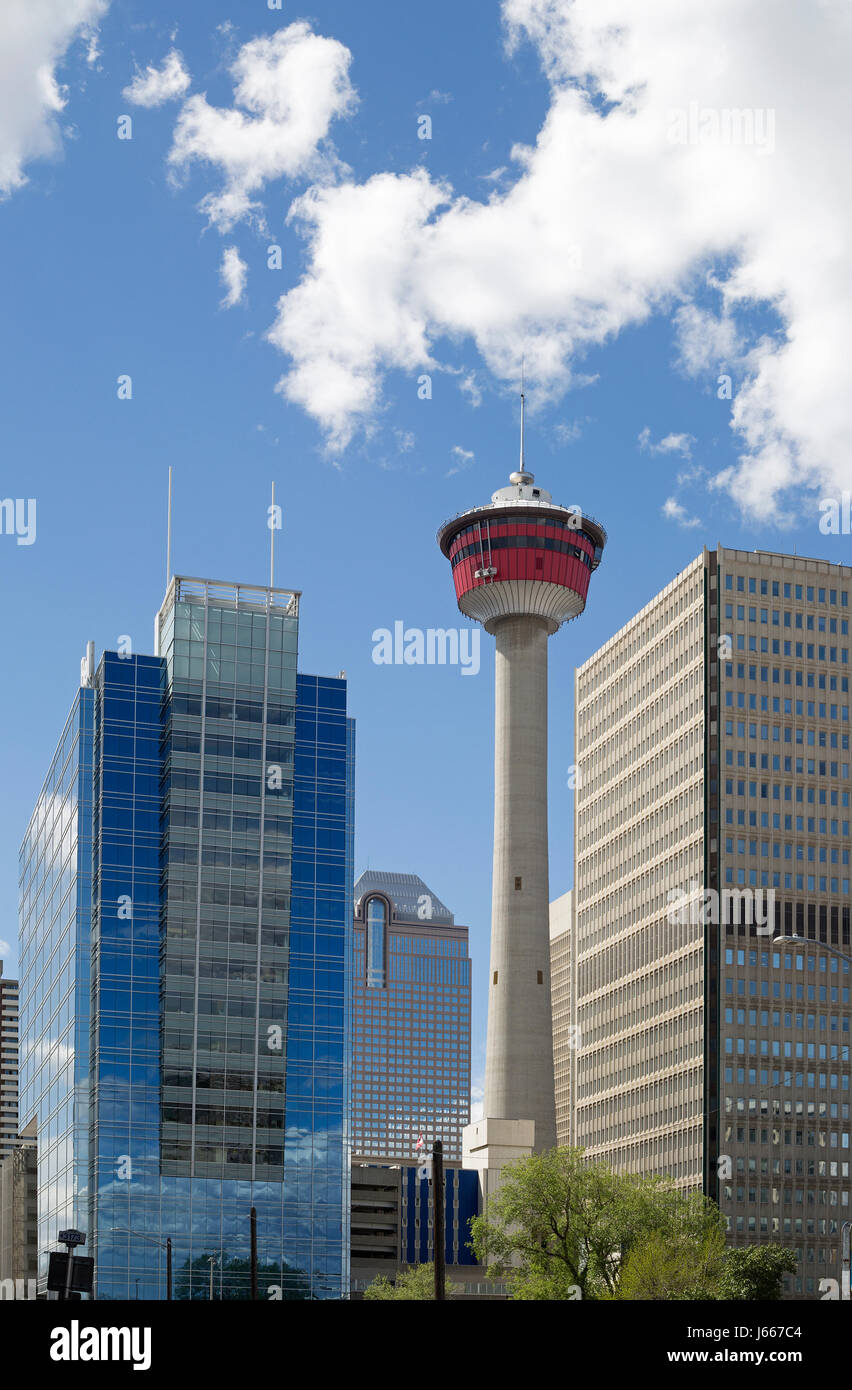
712 814
8 1064
19 1221
564 1031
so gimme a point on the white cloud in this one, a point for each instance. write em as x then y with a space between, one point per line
706 341
469 386
569 431
669 444
673 510
288 90
5 948
616 222
34 37
232 273
463 459
155 86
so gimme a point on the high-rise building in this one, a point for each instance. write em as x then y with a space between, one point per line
564 1032
712 813
521 566
411 1020
8 1064
19 1220
186 884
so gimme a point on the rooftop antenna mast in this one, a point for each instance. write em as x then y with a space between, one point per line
169 533
522 466
272 539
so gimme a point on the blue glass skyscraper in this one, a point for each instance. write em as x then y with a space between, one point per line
185 946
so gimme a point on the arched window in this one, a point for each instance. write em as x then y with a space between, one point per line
377 922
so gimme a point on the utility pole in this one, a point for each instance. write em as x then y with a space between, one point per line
254 1254
211 1260
845 1233
438 1218
169 1268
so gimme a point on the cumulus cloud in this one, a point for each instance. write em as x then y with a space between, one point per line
288 88
463 459
673 511
651 167
232 273
35 36
155 86
669 444
5 948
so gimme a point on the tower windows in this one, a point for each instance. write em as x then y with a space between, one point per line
377 924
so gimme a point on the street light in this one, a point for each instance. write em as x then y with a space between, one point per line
814 945
846 1228
163 1244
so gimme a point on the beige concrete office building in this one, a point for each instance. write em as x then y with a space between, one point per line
8 1064
712 812
564 1032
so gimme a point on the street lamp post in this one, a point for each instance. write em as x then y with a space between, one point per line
155 1240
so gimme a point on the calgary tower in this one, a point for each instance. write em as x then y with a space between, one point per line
521 566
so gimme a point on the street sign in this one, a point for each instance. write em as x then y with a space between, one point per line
82 1273
72 1237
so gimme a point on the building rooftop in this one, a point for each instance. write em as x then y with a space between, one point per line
412 899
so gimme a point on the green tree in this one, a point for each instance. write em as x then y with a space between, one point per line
662 1267
562 1228
755 1272
418 1282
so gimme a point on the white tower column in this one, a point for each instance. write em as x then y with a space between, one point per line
519 1050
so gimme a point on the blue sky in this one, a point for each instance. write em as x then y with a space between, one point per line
449 256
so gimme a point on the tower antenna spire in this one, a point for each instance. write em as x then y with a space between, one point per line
272 539
169 533
522 467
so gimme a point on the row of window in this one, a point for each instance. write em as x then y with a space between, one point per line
812 766
522 543
776 647
778 588
774 1047
804 621
824 1023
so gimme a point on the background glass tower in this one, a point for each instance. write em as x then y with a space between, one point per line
411 1033
198 993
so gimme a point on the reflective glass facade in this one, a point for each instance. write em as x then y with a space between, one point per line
222 872
55 886
411 1024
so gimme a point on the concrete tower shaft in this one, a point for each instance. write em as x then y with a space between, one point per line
519 1052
